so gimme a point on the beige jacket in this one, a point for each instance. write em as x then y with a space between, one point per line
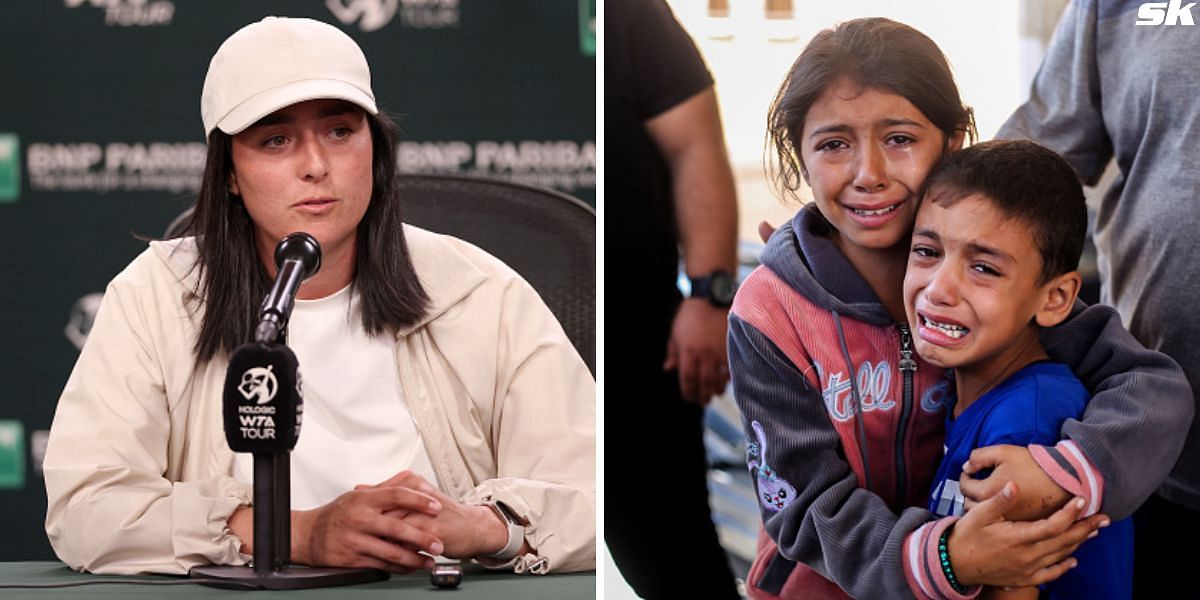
138 471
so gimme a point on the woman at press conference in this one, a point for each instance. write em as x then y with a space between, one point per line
445 411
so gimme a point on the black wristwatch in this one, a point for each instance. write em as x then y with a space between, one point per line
718 287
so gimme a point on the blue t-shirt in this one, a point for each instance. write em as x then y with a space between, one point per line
1029 408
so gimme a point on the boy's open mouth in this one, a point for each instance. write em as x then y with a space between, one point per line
949 329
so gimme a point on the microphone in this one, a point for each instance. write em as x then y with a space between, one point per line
262 406
263 403
297 257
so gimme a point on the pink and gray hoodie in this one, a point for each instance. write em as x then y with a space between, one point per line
845 424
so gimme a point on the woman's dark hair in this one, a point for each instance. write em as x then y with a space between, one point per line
873 53
234 280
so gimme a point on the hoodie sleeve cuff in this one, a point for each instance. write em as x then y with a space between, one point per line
923 568
1066 465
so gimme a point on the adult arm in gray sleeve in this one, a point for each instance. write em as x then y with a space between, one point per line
1137 420
1063 109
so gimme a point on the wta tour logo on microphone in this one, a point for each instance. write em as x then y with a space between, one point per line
259 383
258 421
264 400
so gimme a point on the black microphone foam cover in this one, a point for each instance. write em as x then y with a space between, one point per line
302 247
263 404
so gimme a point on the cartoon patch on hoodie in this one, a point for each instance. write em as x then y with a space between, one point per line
773 492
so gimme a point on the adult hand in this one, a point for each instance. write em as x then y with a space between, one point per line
1039 496
987 549
697 350
355 530
465 530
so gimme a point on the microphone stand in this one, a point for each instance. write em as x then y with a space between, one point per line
272 568
273 493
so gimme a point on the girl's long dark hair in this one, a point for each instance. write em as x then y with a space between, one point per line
233 281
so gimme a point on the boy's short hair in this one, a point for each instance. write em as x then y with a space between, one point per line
1024 181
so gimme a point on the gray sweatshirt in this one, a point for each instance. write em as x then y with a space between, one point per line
1110 87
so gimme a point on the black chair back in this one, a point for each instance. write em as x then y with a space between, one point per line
546 236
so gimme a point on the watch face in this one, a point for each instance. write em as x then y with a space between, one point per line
723 288
507 513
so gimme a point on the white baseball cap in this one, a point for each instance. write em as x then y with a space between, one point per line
277 62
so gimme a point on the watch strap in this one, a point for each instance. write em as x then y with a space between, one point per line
702 287
516 532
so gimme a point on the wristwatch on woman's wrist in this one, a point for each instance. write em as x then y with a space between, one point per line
516 531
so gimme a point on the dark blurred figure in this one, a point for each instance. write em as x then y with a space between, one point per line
669 192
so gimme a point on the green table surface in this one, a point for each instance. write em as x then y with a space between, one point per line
477 583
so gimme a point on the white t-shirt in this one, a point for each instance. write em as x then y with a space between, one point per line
356 426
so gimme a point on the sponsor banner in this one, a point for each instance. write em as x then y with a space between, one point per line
116 166
12 454
587 27
131 13
37 448
564 165
10 167
373 15
83 315
429 14
367 15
